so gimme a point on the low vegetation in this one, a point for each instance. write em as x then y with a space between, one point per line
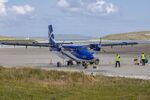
16 40
144 35
5 38
36 84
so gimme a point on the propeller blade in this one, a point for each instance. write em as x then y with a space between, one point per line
100 41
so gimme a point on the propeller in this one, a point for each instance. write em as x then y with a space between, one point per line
61 45
100 42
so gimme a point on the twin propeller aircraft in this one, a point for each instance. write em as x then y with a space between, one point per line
81 54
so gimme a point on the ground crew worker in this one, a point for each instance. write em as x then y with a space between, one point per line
143 59
117 60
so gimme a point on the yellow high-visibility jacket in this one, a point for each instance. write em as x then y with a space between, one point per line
118 58
142 56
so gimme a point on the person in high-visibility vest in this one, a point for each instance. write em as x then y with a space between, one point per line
143 58
117 60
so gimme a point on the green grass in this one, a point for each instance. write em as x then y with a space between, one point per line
143 35
18 41
36 84
6 38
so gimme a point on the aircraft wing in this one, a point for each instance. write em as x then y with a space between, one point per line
97 47
119 44
27 44
34 44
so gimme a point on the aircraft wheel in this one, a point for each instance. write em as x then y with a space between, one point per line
78 63
96 61
70 62
91 63
58 64
85 65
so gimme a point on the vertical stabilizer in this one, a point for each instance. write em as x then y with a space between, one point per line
51 35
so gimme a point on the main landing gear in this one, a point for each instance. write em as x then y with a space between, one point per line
95 62
69 63
58 64
85 64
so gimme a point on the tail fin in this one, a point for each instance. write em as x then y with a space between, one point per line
51 35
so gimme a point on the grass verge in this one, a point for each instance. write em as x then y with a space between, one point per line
36 84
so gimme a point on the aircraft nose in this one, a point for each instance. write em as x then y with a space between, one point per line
90 56
84 54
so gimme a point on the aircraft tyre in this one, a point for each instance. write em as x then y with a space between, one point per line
78 63
91 63
96 61
70 62
85 65
58 64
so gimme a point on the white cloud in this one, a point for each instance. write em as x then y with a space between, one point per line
63 3
19 10
92 7
22 10
3 7
102 7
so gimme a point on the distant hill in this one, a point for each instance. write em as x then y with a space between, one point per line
16 40
143 35
61 37
6 38
66 37
71 37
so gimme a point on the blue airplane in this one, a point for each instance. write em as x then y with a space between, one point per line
81 54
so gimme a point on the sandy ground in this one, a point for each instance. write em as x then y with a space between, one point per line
42 58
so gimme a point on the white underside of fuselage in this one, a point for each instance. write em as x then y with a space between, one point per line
67 55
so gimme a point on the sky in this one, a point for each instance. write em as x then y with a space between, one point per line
85 17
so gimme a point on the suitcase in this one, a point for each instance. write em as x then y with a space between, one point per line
146 60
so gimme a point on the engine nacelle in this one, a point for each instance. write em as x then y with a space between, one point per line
95 47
